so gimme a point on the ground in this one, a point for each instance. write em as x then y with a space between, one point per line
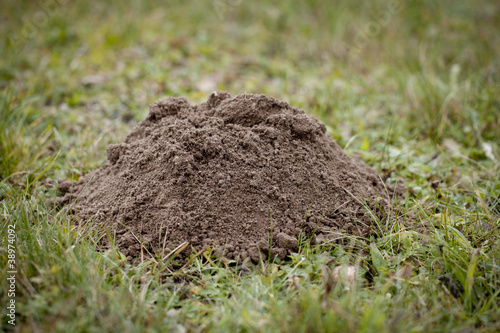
410 87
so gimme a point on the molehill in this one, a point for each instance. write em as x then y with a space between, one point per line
247 176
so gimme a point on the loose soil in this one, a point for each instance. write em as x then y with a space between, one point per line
247 176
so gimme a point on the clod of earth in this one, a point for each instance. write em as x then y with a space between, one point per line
247 176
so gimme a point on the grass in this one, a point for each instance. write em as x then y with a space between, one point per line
417 96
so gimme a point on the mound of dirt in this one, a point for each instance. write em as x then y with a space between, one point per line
227 174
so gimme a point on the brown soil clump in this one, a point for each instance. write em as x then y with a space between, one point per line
227 174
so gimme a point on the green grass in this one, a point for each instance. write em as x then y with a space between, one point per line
418 99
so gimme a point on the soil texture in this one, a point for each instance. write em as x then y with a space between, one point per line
247 176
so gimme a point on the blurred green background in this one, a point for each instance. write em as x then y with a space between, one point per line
428 68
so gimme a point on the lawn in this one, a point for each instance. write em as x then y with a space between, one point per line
410 87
